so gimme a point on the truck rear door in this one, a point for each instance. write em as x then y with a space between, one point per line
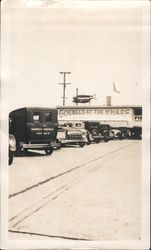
43 126
35 127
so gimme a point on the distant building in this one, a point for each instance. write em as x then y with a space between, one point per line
125 115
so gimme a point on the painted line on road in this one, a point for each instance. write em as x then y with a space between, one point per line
34 208
47 235
65 187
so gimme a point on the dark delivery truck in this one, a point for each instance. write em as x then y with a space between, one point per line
34 128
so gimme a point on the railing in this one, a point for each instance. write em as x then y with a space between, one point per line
138 118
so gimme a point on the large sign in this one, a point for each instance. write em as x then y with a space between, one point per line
94 113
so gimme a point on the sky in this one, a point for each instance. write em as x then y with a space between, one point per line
99 44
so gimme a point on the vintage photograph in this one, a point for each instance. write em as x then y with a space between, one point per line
75 94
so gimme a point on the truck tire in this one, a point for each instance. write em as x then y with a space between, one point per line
49 151
18 146
11 157
25 151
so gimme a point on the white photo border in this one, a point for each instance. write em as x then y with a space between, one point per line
5 243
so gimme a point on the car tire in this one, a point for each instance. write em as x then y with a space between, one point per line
95 132
119 136
111 135
81 145
49 151
106 138
88 143
59 146
97 140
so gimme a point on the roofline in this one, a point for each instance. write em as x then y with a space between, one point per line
89 107
41 108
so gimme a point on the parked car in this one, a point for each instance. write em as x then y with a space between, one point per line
70 136
88 138
34 128
119 133
136 132
125 132
105 131
98 131
115 133
93 128
12 148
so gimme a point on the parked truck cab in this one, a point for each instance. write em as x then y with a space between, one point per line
34 128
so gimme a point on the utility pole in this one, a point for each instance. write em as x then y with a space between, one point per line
77 95
64 85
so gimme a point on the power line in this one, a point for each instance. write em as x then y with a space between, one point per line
25 74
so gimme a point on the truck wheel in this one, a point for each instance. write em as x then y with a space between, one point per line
25 151
11 157
49 151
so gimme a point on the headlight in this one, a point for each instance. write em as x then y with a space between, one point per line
12 142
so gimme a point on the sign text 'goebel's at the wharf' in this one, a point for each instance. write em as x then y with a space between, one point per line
109 111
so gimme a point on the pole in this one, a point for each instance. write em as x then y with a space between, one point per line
64 85
77 95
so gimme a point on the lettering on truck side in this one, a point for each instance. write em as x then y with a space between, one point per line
48 129
36 129
40 129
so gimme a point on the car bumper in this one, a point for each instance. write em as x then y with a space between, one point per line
71 141
36 146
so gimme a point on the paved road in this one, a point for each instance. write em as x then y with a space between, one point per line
90 193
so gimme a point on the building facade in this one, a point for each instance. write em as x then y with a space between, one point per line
129 116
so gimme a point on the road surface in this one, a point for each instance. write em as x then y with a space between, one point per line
90 193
